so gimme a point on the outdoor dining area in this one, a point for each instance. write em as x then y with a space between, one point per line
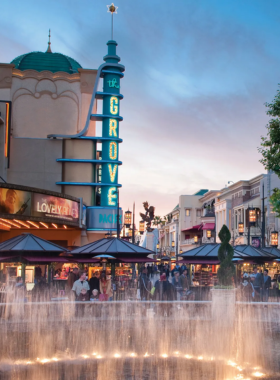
35 259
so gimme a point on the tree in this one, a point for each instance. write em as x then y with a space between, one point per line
225 254
270 147
157 220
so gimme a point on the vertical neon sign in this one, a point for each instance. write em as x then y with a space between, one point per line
110 128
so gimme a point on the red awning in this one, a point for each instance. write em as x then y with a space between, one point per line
197 227
73 260
7 258
209 226
46 259
134 260
195 261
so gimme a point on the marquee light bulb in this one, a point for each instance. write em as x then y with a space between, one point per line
112 172
114 108
113 150
113 127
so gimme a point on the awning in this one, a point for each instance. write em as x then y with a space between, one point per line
46 259
134 260
84 261
209 262
197 227
209 226
7 258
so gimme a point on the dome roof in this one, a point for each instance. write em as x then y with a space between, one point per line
48 61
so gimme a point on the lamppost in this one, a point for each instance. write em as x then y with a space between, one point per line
209 234
274 238
141 227
195 239
252 218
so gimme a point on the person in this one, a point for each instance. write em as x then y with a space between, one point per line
83 296
80 284
105 288
41 289
8 206
266 285
184 267
144 285
247 288
73 276
176 269
164 291
185 280
155 269
177 283
94 295
149 270
20 289
166 270
277 286
258 284
94 282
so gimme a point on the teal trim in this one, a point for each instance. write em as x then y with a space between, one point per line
113 72
101 139
97 117
101 229
87 184
100 95
83 161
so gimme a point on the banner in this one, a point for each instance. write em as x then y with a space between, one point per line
256 242
15 202
54 207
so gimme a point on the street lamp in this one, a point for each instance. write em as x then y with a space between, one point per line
274 238
208 234
252 216
241 228
195 239
181 251
141 227
130 232
173 244
127 218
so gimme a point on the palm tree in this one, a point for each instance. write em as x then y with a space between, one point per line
157 220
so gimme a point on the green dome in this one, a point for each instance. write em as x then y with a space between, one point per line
48 61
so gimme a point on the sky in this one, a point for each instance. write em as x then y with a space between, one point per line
198 75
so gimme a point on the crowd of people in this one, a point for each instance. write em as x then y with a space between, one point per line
255 286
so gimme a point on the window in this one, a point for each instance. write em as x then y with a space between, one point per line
240 194
198 213
188 212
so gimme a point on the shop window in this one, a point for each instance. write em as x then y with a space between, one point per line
188 212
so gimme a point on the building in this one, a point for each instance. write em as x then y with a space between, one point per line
198 218
62 177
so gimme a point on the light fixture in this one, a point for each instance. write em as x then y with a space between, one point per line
241 228
33 224
12 223
130 232
141 227
208 234
22 223
127 218
44 224
65 226
252 216
5 225
55 226
181 251
274 238
157 245
173 244
195 239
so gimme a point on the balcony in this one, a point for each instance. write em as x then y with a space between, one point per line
209 212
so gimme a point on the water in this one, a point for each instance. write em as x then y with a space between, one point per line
139 341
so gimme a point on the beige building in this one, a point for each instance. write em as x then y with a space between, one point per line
44 94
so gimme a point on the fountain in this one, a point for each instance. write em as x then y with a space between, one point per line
122 341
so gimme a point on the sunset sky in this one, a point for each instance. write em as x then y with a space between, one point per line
197 76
